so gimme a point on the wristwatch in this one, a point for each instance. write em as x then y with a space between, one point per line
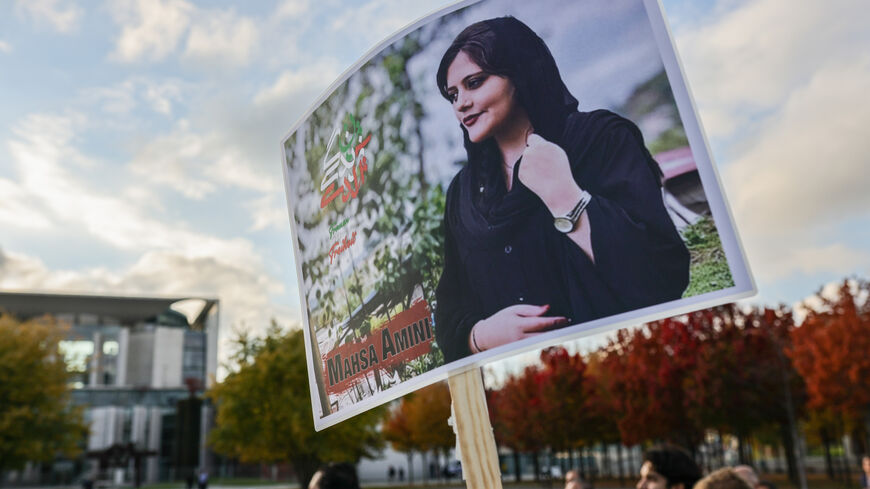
568 222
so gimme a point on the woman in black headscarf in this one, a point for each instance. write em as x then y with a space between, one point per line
558 216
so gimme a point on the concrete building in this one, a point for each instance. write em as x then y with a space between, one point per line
137 365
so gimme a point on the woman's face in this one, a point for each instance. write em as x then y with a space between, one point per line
485 104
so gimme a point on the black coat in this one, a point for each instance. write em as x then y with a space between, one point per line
501 247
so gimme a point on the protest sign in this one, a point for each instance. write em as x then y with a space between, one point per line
425 245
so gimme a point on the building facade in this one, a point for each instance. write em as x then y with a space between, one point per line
139 366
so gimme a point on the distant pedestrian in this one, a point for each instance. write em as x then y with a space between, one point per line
202 481
668 467
335 476
391 473
865 471
401 474
87 482
726 478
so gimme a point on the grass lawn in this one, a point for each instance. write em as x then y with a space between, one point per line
709 269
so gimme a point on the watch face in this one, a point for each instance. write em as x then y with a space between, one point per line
563 224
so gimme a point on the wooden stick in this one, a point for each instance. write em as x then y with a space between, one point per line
474 431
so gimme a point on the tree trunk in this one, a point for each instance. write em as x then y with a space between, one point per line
826 442
410 468
788 444
620 464
518 471
424 477
750 451
305 467
536 464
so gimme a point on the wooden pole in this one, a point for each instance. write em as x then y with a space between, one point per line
474 435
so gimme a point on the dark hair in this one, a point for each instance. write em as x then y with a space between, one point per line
674 464
338 475
506 47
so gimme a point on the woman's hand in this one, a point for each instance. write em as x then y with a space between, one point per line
546 171
511 324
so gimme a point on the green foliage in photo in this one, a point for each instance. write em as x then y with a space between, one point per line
709 268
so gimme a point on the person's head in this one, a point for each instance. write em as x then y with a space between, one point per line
726 478
573 480
748 474
865 463
668 467
334 475
518 77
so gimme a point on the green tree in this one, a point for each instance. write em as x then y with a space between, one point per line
264 411
37 420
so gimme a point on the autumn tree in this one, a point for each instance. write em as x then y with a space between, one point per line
829 349
648 369
264 411
516 416
601 414
743 383
565 393
398 430
430 410
37 420
419 423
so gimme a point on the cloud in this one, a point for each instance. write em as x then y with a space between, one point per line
222 38
809 163
374 21
43 153
778 261
18 209
151 29
292 9
168 258
63 16
751 57
119 99
5 47
128 95
268 211
197 164
161 96
244 291
294 83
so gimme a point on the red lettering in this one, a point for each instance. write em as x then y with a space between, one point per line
339 248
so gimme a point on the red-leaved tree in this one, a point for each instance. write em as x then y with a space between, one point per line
515 412
831 350
648 368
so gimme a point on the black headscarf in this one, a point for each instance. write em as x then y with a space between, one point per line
506 47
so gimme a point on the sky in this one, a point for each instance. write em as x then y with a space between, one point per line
140 139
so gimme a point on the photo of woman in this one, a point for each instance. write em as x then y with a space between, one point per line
558 217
